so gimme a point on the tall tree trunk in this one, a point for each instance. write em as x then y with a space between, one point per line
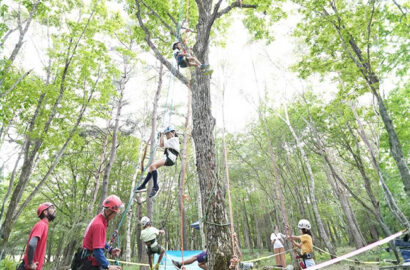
319 221
246 230
107 170
401 218
150 203
363 64
130 213
356 235
99 171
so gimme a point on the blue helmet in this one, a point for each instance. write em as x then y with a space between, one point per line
169 129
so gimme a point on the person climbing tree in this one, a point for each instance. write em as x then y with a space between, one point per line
94 242
186 60
306 242
171 153
149 237
201 258
37 241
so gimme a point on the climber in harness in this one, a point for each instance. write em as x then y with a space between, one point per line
186 60
171 152
306 243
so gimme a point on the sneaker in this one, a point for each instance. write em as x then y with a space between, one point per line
141 189
177 264
156 266
154 192
204 66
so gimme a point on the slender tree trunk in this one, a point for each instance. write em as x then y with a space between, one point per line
389 196
246 230
363 64
130 213
99 170
107 170
356 235
319 221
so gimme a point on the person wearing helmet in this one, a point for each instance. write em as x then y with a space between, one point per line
37 241
186 60
171 152
149 237
306 243
94 242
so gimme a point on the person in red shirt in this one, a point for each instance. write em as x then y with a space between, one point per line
37 241
94 242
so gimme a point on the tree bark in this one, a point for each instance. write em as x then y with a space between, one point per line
312 195
130 213
401 218
107 170
356 235
363 64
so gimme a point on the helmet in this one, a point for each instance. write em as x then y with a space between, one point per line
304 224
113 203
174 44
42 207
145 221
169 129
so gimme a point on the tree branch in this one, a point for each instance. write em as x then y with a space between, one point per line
170 29
157 53
233 5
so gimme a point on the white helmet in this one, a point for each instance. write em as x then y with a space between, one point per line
145 221
304 224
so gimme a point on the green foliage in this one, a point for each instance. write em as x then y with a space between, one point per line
8 264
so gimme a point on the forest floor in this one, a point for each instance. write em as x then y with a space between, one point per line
367 260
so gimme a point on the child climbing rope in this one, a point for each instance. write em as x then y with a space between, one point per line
306 243
186 60
149 237
171 153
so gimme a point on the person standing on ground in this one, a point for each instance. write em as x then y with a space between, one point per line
277 240
37 241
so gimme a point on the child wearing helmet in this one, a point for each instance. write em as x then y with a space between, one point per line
94 242
37 241
149 237
171 152
184 59
306 242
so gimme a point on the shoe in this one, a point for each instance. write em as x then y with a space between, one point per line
204 66
156 266
141 189
177 264
154 192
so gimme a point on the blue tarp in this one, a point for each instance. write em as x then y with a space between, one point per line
195 225
176 255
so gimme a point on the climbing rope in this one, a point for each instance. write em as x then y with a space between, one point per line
169 111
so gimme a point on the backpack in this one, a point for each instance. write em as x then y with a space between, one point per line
77 259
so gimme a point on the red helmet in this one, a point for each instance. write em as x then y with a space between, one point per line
113 203
43 207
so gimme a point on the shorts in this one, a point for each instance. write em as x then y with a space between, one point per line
168 162
309 262
202 257
182 62
155 250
